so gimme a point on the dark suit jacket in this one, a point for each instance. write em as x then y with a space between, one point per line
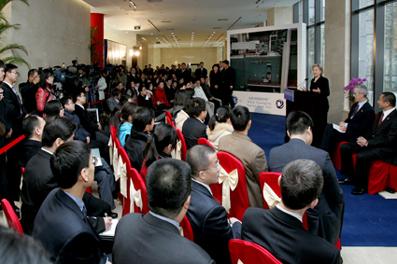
135 146
228 78
192 130
361 123
283 235
147 239
65 232
29 149
327 217
14 108
209 222
86 122
200 72
320 100
28 92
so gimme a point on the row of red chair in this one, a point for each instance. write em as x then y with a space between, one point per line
381 175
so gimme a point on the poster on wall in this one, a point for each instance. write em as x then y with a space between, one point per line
263 103
267 60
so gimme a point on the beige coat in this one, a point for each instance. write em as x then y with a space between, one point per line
220 130
253 158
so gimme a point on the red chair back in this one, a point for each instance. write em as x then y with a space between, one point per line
204 141
238 197
113 132
271 179
139 185
187 229
250 253
11 216
168 119
181 138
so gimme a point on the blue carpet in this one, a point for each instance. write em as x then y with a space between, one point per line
369 220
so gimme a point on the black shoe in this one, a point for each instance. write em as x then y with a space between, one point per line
345 181
113 215
358 191
390 190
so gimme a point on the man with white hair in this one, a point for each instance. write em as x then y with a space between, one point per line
358 123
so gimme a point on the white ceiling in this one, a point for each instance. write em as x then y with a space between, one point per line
184 18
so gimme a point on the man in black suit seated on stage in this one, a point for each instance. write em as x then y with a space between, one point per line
358 123
208 218
326 218
62 225
280 229
154 238
381 145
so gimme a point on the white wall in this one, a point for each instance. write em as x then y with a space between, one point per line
53 31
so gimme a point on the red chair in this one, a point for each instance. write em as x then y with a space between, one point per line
181 138
139 185
337 158
271 179
168 119
11 216
250 253
187 229
204 141
392 182
239 197
378 176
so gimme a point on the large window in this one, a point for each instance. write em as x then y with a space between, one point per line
374 44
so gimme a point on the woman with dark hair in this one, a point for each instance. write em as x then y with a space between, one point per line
219 125
162 144
45 93
215 80
127 115
160 101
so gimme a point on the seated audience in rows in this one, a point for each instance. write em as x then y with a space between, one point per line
17 249
163 144
358 123
208 218
326 219
380 145
53 109
155 237
33 127
28 91
280 229
61 224
69 107
127 116
251 155
45 92
113 102
39 179
219 125
143 124
194 127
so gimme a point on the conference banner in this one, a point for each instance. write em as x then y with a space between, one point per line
263 103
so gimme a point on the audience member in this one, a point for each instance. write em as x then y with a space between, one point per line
127 116
69 107
200 71
358 123
45 92
325 220
194 127
227 83
61 224
143 124
28 91
154 237
208 218
280 229
251 155
215 81
113 103
53 109
33 127
219 125
381 145
17 249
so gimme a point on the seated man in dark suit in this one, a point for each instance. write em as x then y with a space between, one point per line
381 145
39 179
142 126
154 238
280 229
358 123
194 127
208 218
62 225
33 127
326 219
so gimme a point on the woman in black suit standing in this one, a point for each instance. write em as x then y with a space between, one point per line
319 87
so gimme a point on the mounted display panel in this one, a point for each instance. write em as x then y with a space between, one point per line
267 60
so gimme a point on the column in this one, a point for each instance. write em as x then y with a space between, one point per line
97 39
